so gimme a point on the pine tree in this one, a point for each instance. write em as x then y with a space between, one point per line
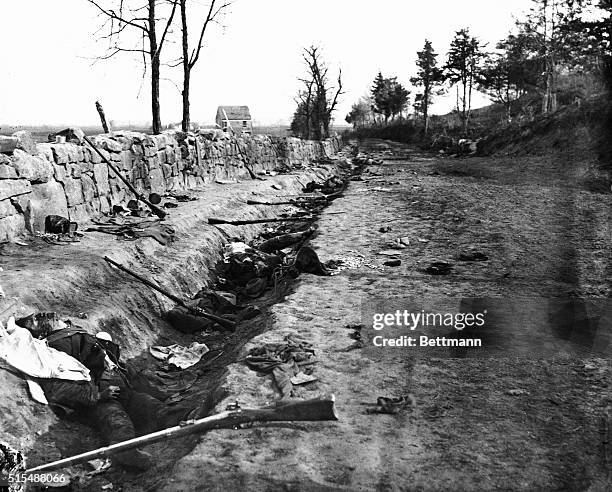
379 98
428 76
462 69
389 97
511 73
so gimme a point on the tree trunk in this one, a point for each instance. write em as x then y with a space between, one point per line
458 110
426 108
463 106
469 105
508 105
155 70
186 68
549 101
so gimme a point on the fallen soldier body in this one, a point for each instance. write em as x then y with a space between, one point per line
109 402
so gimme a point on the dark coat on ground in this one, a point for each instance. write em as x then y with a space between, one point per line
85 348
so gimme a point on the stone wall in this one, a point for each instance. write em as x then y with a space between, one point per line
71 180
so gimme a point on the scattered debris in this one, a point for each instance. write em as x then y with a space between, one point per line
284 240
98 466
307 261
439 268
56 224
346 263
181 196
329 186
155 199
131 229
303 378
357 336
284 360
393 263
179 356
12 462
517 392
392 406
472 255
388 252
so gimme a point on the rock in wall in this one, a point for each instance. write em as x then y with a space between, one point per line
71 180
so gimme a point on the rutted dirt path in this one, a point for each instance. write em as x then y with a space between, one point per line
502 421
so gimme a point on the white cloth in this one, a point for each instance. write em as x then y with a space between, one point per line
109 365
181 357
36 392
20 350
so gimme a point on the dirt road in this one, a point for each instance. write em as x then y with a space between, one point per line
531 411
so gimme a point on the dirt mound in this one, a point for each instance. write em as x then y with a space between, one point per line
573 128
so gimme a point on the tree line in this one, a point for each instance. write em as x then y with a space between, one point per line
555 37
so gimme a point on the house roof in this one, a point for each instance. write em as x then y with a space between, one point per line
234 112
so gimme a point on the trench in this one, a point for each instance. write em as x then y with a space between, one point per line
73 281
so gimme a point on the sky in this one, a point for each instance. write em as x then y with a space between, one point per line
50 74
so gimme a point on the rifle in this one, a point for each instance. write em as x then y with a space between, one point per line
289 202
156 210
224 322
317 409
215 221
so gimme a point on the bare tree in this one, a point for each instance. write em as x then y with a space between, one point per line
190 59
317 103
303 115
141 19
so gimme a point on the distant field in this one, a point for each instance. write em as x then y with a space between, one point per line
41 133
277 130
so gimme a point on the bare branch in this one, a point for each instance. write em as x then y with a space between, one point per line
210 17
118 17
338 93
163 38
116 49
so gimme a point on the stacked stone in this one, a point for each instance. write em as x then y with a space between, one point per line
72 180
28 191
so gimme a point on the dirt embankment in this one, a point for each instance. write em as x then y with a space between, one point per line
576 129
73 280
